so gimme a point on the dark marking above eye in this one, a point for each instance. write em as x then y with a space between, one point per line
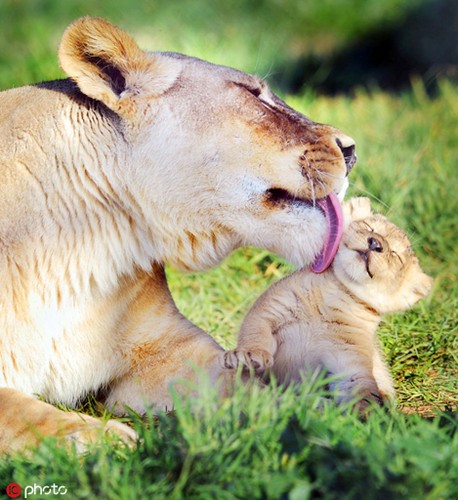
256 91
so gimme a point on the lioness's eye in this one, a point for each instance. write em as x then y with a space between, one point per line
256 91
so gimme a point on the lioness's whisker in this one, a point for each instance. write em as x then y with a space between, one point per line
371 195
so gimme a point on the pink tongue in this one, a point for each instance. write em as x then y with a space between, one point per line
333 213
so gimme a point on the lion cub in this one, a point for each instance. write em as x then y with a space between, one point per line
308 321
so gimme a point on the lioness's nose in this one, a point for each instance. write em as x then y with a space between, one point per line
347 146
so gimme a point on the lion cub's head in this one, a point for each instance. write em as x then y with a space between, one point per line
376 261
212 156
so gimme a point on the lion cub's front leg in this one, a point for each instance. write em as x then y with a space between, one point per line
24 421
256 346
257 341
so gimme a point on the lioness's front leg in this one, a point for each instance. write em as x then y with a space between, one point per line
38 420
161 346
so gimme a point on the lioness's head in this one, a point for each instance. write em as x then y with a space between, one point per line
213 157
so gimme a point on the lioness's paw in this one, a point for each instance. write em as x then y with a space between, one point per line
93 430
122 431
259 360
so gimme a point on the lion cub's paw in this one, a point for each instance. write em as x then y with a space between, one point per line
366 399
258 360
366 394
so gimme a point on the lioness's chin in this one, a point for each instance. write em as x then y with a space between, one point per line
295 232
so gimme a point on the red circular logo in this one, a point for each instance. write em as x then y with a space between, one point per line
13 490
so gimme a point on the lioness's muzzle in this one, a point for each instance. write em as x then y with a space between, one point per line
349 154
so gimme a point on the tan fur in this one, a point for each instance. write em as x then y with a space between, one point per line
42 420
137 160
328 321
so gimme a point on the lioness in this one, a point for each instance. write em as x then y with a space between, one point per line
136 160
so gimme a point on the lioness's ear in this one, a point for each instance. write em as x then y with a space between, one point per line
107 64
358 208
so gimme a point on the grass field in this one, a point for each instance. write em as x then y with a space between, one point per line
285 444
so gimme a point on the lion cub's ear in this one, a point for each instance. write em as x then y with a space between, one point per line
107 65
356 209
415 285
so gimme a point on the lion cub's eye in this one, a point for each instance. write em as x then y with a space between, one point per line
398 256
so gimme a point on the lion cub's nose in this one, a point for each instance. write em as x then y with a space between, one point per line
347 146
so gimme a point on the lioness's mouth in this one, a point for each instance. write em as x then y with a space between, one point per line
282 197
332 211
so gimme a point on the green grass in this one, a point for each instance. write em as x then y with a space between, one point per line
259 446
285 443
255 36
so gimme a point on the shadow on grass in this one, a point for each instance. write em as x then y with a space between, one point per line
423 43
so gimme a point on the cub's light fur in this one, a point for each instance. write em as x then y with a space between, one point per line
137 160
328 321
